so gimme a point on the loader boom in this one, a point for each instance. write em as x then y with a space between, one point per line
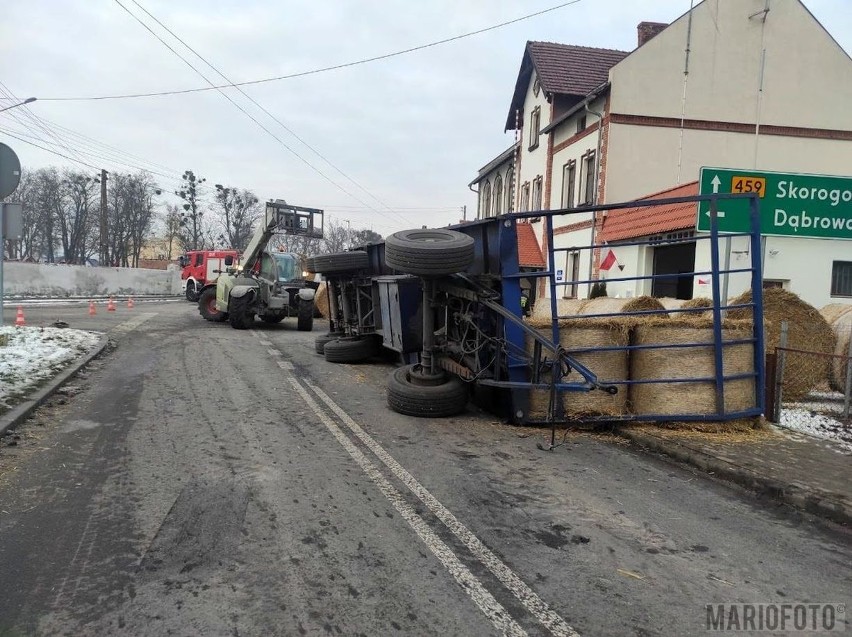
282 218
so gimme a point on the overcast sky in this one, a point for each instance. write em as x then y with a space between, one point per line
411 131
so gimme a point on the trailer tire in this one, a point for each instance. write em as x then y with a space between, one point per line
207 307
191 291
239 314
338 262
352 350
448 398
321 341
305 316
429 252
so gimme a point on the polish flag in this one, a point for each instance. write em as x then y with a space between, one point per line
609 261
703 282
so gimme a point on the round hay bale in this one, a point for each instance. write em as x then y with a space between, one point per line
807 330
834 311
689 398
842 327
564 307
609 366
699 302
321 299
608 305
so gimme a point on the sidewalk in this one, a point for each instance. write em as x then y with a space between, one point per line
802 471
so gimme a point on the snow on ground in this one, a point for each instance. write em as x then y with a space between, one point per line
32 355
799 417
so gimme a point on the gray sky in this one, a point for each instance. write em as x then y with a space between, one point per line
411 130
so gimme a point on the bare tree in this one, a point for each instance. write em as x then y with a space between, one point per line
191 191
172 229
239 210
78 194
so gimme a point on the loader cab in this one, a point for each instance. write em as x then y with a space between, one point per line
279 267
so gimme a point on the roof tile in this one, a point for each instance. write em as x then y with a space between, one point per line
570 69
529 252
629 223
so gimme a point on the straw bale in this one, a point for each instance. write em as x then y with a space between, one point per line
608 305
842 327
699 302
689 362
321 299
564 307
669 303
834 311
807 330
608 366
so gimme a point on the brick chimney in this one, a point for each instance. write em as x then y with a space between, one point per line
648 30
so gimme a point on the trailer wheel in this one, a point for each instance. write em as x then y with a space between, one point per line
352 350
305 317
207 307
321 341
239 315
338 262
429 252
191 291
412 394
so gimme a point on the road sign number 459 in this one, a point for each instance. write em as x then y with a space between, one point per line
742 185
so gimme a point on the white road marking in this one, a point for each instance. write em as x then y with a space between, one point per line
132 324
286 365
492 609
272 351
531 601
263 341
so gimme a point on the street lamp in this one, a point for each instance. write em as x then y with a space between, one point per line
29 100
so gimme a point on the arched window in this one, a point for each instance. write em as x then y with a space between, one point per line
498 195
510 202
486 200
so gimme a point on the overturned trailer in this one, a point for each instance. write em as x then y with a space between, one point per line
449 303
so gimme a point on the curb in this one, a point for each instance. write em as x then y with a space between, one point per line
801 496
22 411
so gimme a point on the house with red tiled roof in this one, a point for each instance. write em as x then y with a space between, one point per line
745 84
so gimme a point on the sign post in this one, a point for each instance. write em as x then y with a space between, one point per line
791 204
10 177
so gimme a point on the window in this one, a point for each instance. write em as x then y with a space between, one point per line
485 210
536 193
199 258
524 204
498 195
589 178
771 283
581 124
572 273
535 125
510 188
841 278
569 177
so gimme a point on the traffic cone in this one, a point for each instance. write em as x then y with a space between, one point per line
111 305
92 310
19 318
130 303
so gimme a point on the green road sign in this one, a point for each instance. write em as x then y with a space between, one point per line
791 204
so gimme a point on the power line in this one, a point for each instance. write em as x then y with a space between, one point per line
312 71
21 139
244 111
261 107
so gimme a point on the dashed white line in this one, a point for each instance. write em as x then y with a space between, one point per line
133 323
273 352
486 602
528 597
286 365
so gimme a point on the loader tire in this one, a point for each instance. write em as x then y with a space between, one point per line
305 316
239 314
429 252
207 307
406 396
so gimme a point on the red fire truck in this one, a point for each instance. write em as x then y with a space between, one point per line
200 268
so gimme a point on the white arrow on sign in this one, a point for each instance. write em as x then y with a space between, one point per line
719 213
716 183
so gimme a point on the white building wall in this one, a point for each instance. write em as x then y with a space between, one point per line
533 162
42 279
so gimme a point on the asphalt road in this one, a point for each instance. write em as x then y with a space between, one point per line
200 480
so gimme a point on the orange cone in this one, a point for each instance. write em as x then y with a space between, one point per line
92 310
130 303
19 318
111 305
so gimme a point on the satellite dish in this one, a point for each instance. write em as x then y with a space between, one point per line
10 171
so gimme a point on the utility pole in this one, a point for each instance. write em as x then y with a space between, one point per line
104 252
464 212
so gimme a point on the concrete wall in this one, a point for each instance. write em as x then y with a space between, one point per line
41 279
